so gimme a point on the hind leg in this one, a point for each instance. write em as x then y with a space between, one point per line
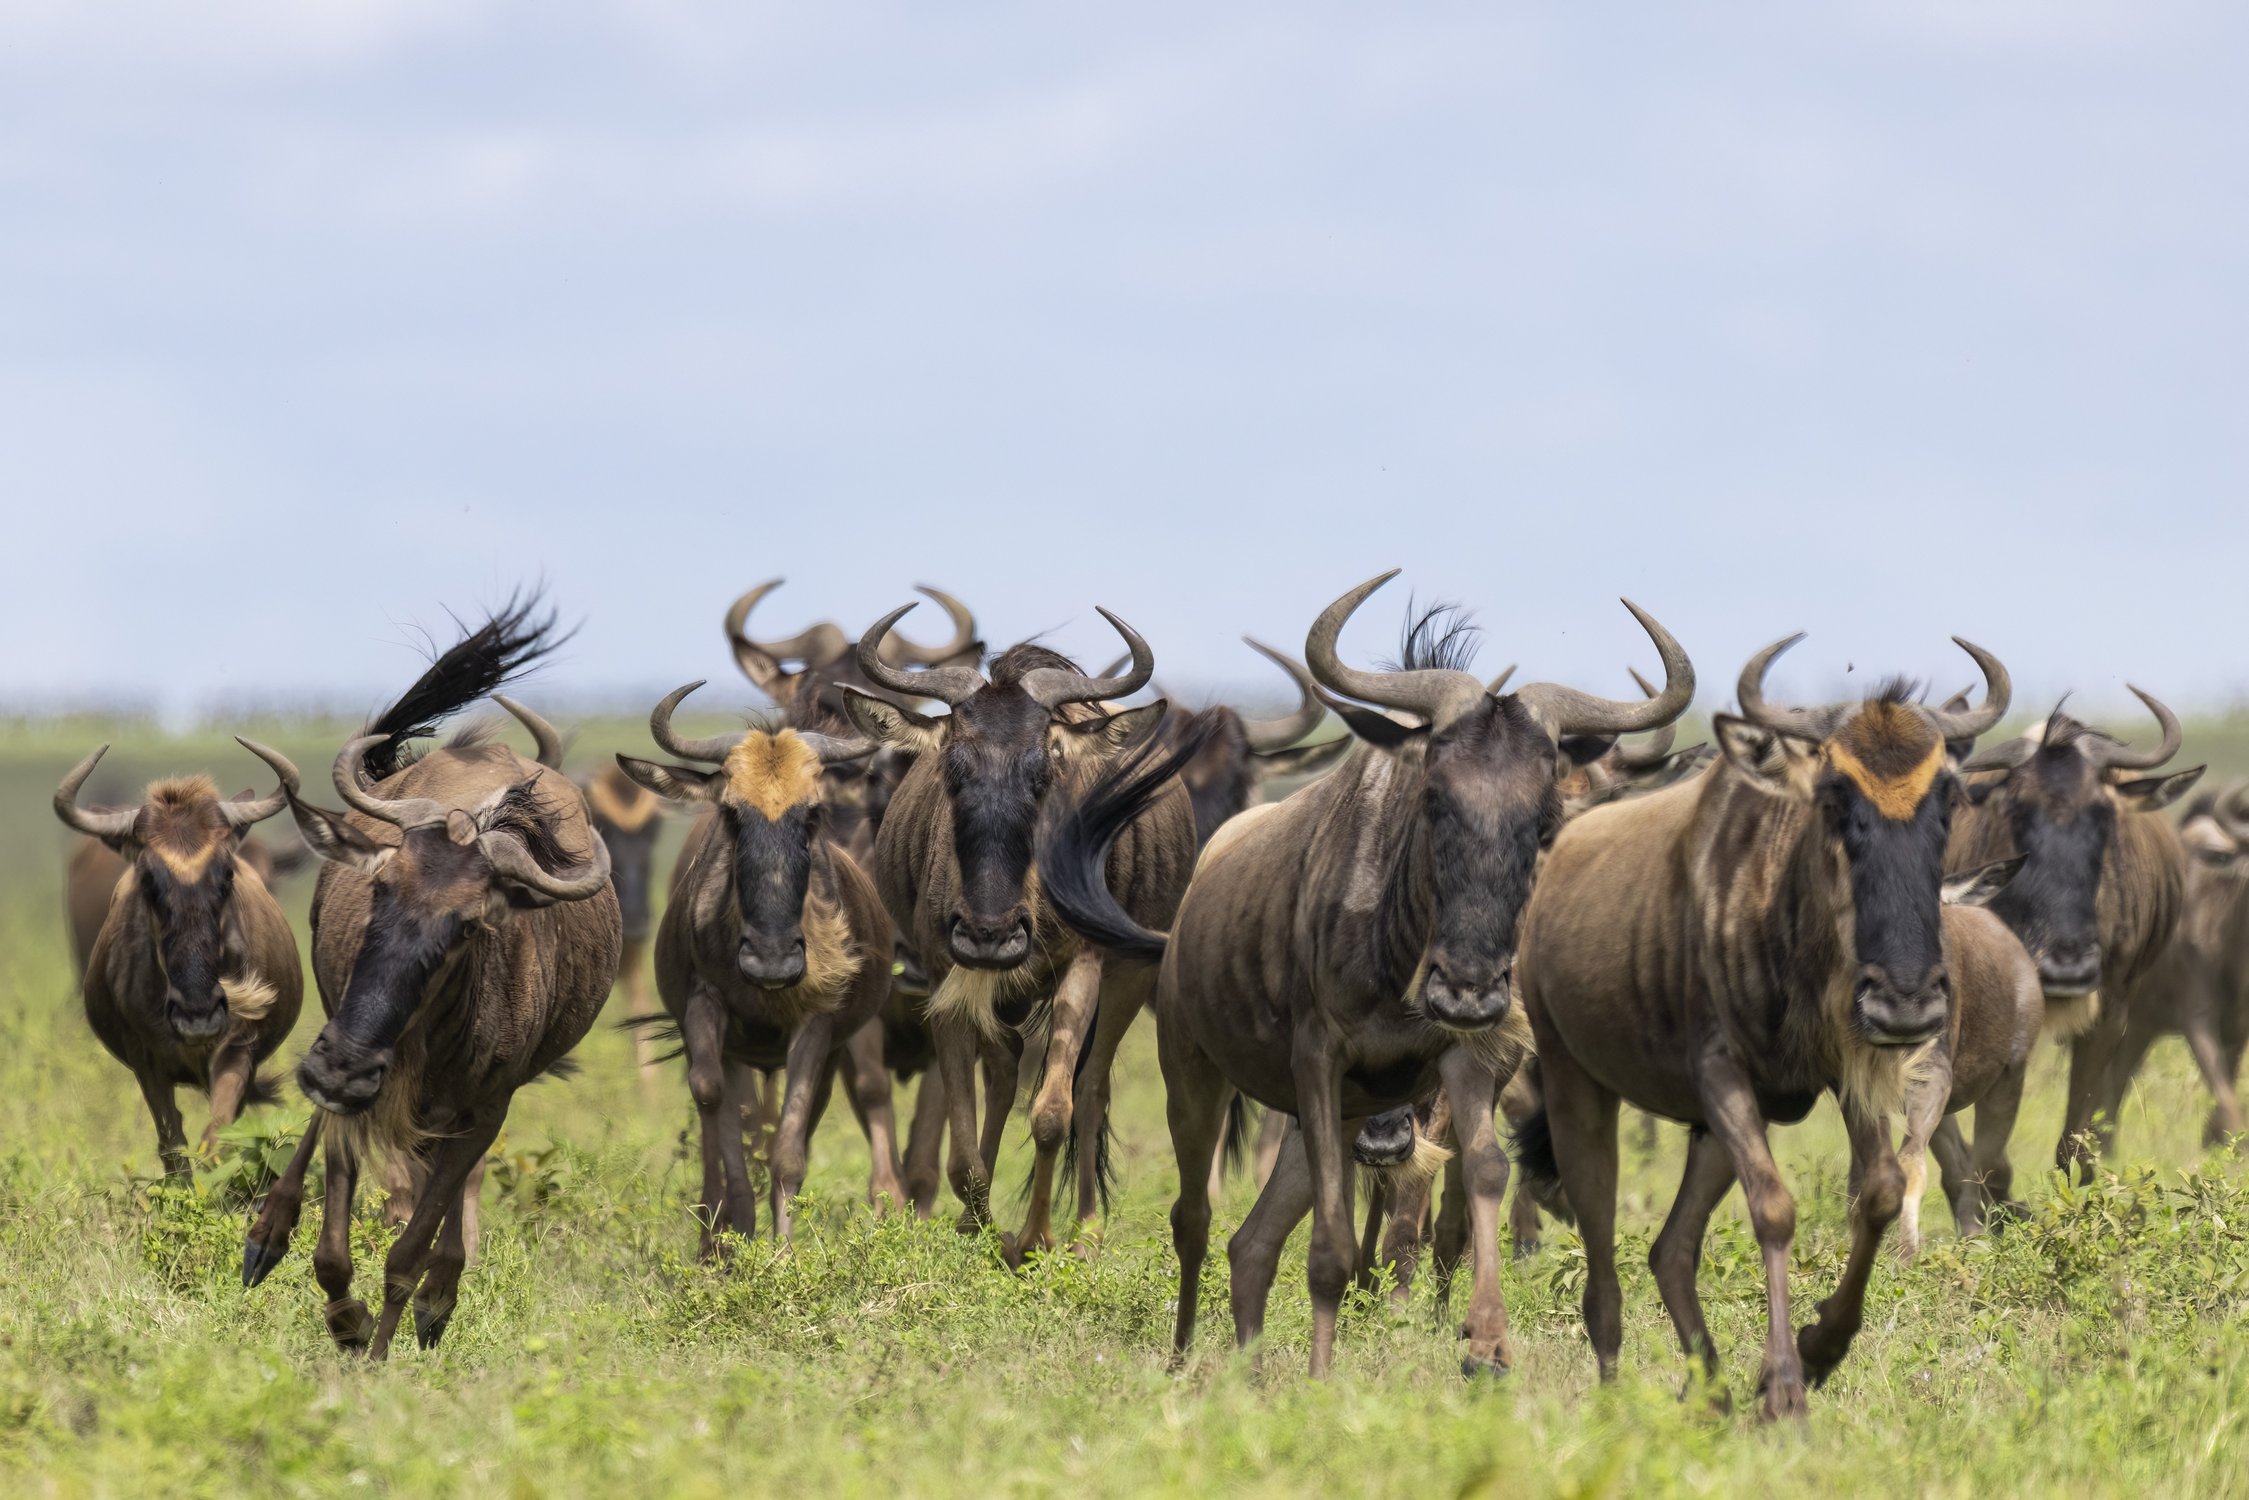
1122 999
1253 1255
1675 1257
925 1143
1927 1093
2209 1058
441 1279
1519 1101
1195 1100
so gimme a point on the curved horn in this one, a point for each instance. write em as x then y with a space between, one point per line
404 812
1567 711
1654 750
1498 684
1279 734
1749 691
2233 812
815 645
2114 757
113 823
713 749
1436 695
240 814
1998 692
948 685
507 855
1051 687
903 652
544 735
834 751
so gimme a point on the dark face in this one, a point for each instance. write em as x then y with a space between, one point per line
2060 818
1490 806
632 863
425 902
772 873
1896 870
997 768
191 904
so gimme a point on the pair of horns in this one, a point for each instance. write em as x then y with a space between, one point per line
1818 723
1049 687
2105 753
717 747
504 851
1441 696
117 823
825 643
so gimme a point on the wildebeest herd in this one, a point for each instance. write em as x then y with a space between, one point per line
1483 911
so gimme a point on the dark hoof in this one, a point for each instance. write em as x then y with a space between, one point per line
350 1324
430 1326
1525 1249
258 1262
1821 1350
1472 1368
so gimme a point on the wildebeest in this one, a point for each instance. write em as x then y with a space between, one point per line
1344 951
2198 987
858 792
954 861
192 976
2098 897
774 953
465 934
1722 953
629 819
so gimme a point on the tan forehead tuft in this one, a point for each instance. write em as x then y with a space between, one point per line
771 773
180 825
1890 753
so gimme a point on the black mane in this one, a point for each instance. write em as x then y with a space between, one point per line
1440 638
512 640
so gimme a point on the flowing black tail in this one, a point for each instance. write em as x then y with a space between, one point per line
1533 1140
1236 1147
1074 865
509 643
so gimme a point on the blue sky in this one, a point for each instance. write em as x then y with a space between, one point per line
1882 321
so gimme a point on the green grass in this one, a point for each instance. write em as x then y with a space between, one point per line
2100 1348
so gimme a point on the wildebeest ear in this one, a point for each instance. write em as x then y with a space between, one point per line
673 783
1118 731
2154 793
889 724
1378 728
1752 748
1304 760
333 839
1975 887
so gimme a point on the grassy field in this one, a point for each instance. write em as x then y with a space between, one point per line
2100 1348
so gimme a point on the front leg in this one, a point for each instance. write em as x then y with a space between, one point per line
1318 1070
1730 1106
350 1324
728 1200
231 1067
1881 1187
1472 1089
268 1239
1928 1095
808 1074
411 1254
1076 999
867 1077
171 1132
